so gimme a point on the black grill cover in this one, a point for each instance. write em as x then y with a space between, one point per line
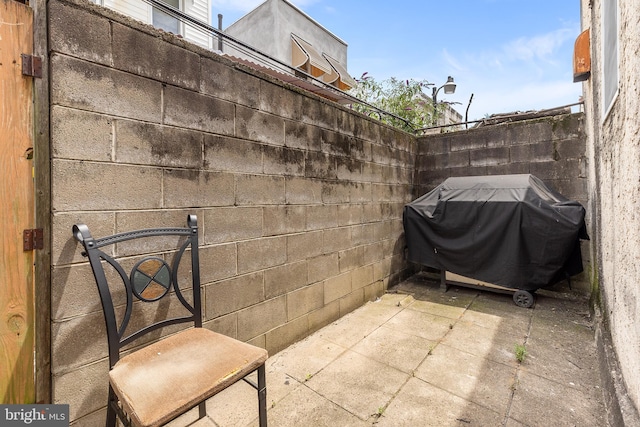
510 230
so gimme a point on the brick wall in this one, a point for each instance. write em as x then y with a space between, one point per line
299 200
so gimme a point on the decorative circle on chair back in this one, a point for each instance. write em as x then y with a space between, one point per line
151 279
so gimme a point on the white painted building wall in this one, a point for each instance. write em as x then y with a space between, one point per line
142 11
614 184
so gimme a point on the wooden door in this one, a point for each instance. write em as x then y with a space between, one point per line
17 322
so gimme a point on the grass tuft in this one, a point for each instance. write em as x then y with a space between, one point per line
521 353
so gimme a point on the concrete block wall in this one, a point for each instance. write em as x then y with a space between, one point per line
299 200
552 148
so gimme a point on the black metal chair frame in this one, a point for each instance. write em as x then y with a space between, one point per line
116 333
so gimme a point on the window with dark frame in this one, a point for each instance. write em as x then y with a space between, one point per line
610 78
164 20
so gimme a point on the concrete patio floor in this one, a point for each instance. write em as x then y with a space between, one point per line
421 357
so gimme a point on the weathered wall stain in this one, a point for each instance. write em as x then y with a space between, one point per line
291 190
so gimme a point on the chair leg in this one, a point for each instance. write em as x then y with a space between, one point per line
111 412
202 408
262 396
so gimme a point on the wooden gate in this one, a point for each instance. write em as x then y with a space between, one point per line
17 321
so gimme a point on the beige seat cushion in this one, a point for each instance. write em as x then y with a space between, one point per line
162 380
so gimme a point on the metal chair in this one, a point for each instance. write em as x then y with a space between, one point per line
152 384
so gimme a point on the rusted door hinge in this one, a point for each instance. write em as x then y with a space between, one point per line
33 239
31 65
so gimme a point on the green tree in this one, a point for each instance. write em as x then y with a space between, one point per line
409 107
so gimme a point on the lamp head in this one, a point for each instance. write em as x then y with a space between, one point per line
449 86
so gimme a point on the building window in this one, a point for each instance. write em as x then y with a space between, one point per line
610 76
164 20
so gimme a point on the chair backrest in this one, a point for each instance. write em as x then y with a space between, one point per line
151 278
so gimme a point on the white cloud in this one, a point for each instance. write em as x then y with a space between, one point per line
452 61
330 9
541 47
514 97
524 52
531 73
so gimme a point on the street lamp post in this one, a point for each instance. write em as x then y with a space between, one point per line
449 88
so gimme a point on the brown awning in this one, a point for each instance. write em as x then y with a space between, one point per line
307 58
333 78
582 57
345 81
326 91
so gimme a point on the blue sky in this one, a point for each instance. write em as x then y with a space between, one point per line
513 55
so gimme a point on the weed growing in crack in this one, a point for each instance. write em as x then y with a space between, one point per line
521 353
378 414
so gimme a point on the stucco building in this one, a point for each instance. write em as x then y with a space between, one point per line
287 34
612 109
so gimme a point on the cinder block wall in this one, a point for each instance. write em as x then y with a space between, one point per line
299 200
552 148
